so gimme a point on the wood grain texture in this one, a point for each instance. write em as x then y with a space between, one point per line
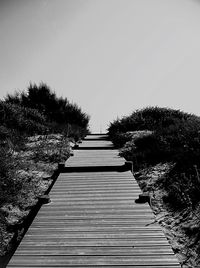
93 220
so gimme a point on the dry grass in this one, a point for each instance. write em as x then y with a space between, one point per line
31 177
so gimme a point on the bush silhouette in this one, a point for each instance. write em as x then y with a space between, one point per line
58 111
175 138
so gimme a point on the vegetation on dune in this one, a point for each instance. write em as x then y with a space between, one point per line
16 124
164 146
35 112
36 128
17 121
59 112
167 136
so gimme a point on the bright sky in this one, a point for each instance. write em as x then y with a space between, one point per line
109 56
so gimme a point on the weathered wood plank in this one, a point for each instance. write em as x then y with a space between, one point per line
102 266
96 211
92 260
105 230
79 235
91 251
115 221
143 241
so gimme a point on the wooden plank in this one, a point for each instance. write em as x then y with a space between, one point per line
92 260
107 229
95 211
73 242
106 214
99 223
119 234
109 221
102 266
114 194
99 175
68 194
91 251
111 190
83 186
65 199
97 196
95 206
112 203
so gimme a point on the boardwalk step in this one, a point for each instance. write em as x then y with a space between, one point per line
127 166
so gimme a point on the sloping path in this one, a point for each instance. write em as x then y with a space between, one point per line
93 220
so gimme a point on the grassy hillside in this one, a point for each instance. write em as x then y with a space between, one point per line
36 128
60 114
166 135
37 111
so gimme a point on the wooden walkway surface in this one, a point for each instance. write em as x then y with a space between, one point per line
93 220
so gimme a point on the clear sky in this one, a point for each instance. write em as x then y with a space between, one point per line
109 56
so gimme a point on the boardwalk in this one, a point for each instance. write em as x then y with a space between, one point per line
93 220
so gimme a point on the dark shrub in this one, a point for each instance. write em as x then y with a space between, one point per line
175 138
23 120
58 111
